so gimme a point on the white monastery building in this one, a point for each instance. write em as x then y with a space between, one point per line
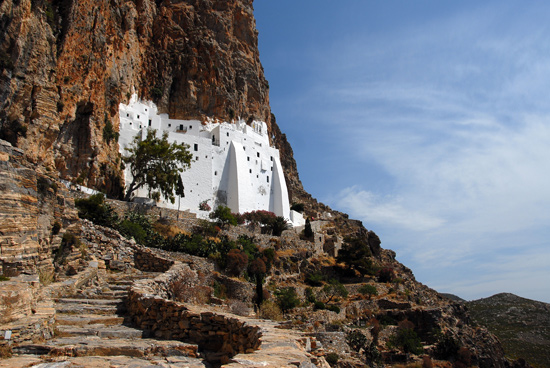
233 165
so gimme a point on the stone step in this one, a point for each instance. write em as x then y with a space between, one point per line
88 301
119 287
76 308
107 332
95 346
88 319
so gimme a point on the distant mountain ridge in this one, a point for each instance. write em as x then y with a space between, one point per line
522 325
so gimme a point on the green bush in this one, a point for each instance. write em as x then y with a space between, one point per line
287 299
298 207
332 358
356 340
96 210
56 228
156 93
407 340
368 290
334 308
315 279
109 133
356 254
317 305
223 217
133 230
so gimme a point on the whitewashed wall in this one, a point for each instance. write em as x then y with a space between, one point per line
233 163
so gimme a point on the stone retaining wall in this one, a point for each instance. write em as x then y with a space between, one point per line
147 261
220 335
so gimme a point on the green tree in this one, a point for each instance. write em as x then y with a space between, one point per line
157 164
287 299
334 289
368 290
223 216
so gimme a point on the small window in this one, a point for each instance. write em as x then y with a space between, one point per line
196 147
145 109
258 154
215 173
169 125
248 159
228 134
127 115
257 176
181 126
150 122
197 158
130 123
190 126
138 117
268 179
244 148
271 158
250 171
271 168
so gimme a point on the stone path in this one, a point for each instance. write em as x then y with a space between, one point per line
93 330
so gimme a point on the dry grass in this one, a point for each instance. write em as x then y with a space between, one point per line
167 230
5 351
46 276
270 310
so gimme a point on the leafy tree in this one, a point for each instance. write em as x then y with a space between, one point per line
368 290
157 164
406 338
356 254
223 216
287 299
334 289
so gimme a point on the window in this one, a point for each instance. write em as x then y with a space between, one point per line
138 117
127 115
197 158
271 158
258 154
248 159
268 179
190 126
145 109
215 173
196 147
169 125
150 122
250 171
181 126
228 134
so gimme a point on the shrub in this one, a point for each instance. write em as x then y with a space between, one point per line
220 290
46 276
68 242
270 310
4 278
315 279
334 308
317 305
56 227
187 287
386 274
239 308
96 210
298 207
236 262
310 295
335 289
356 254
332 358
278 225
356 340
287 299
223 216
5 351
204 206
134 230
407 340
368 290
109 133
156 93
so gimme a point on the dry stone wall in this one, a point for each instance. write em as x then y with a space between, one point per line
154 313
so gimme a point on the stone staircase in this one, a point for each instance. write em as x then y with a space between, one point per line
93 326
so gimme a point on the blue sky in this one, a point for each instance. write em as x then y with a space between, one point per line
430 122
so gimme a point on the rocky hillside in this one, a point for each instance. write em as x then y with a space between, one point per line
522 325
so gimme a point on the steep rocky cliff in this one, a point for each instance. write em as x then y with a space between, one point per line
67 64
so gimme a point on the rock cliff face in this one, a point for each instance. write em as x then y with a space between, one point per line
67 64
